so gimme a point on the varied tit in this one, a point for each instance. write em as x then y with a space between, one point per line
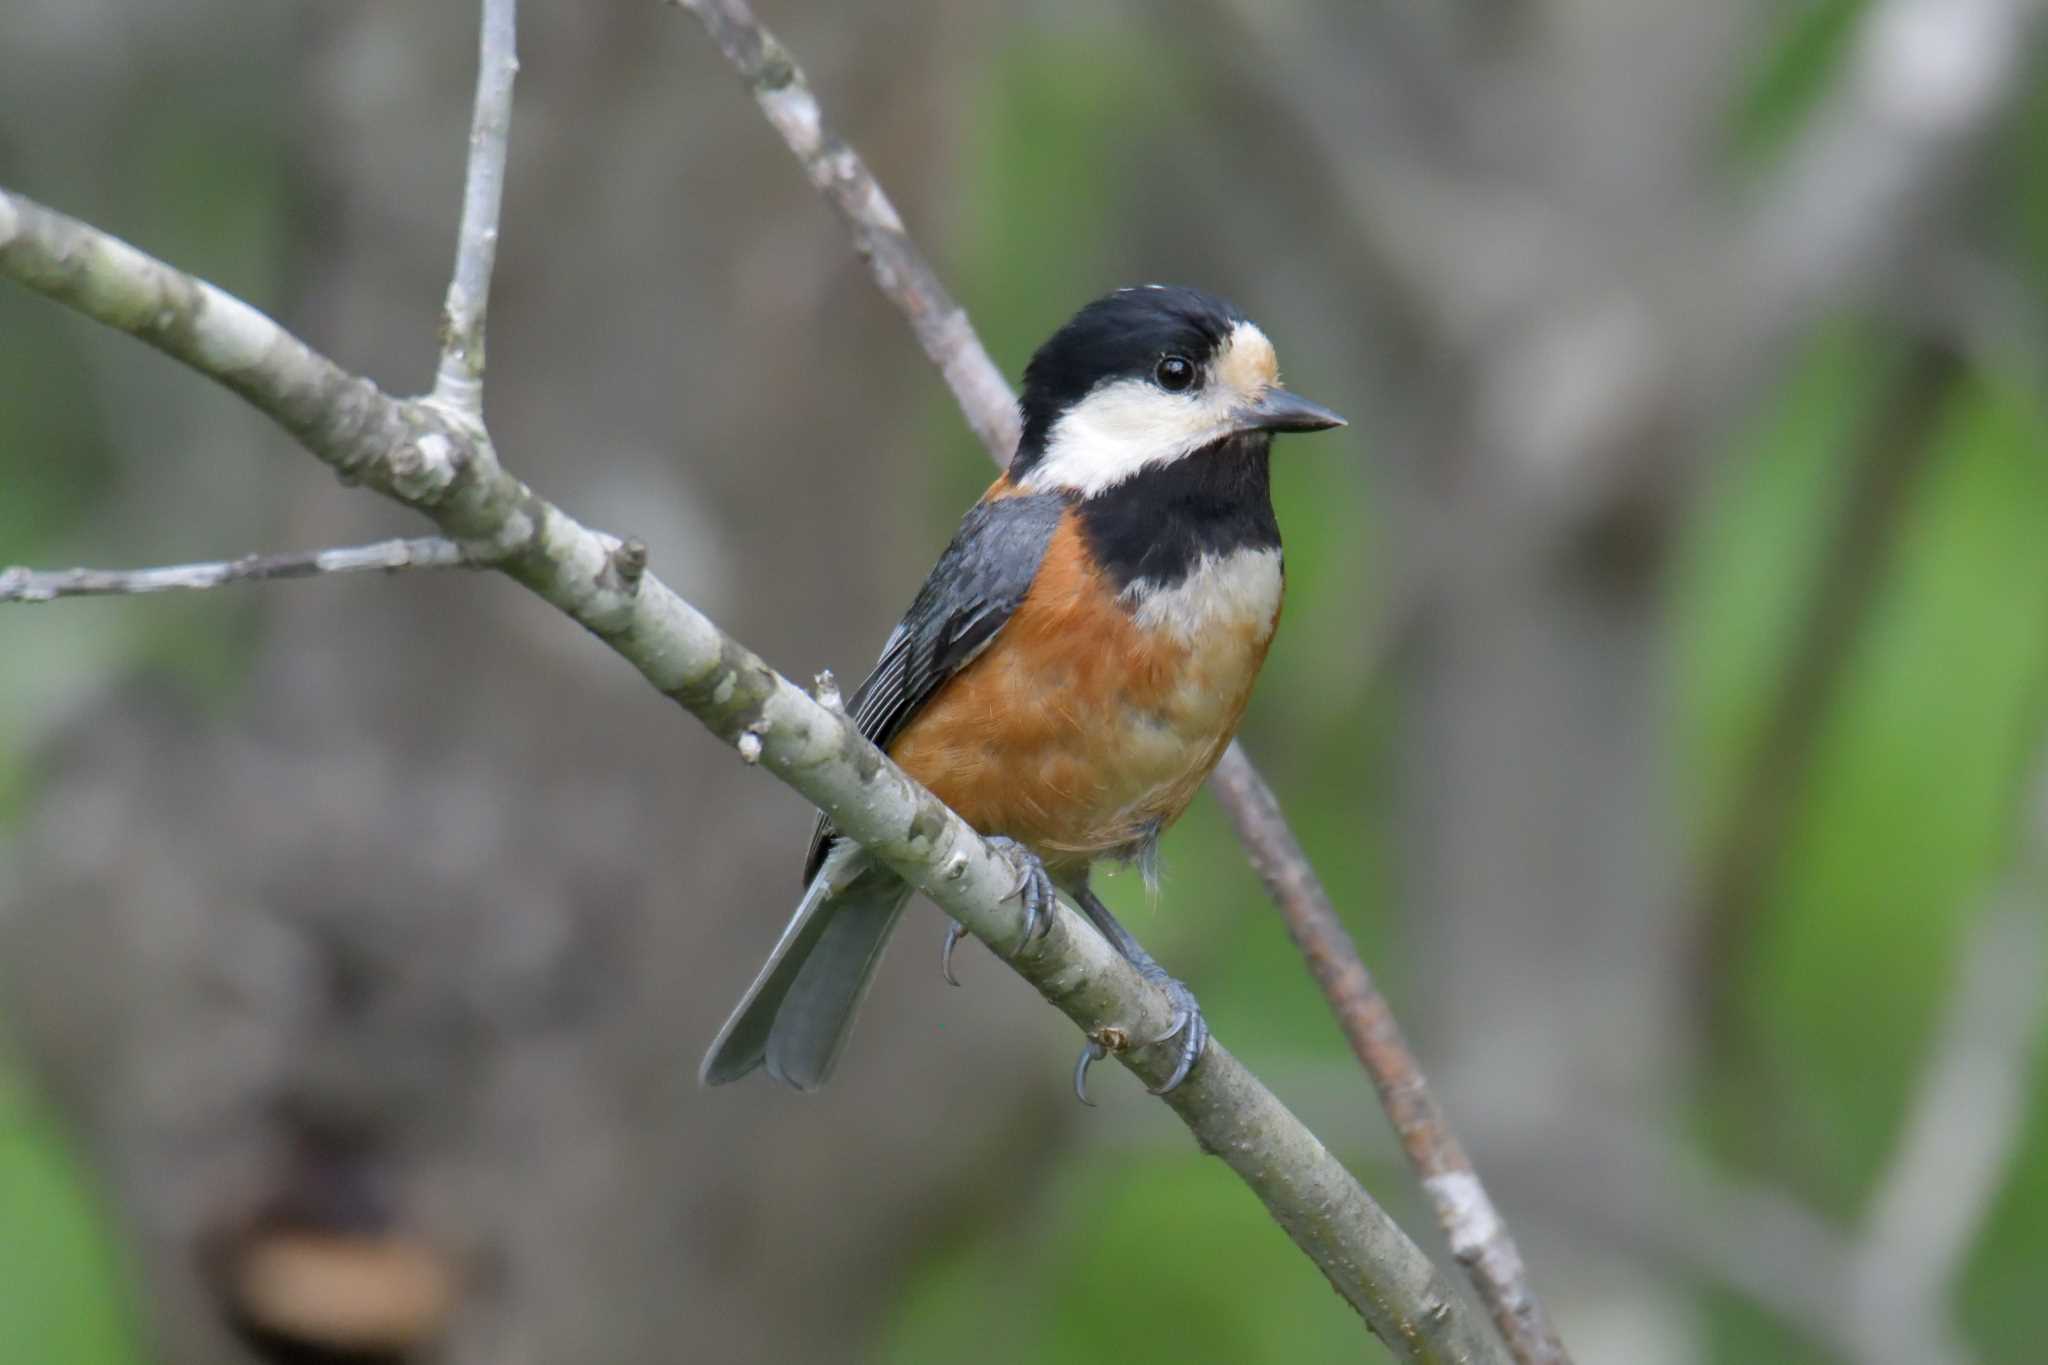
1076 663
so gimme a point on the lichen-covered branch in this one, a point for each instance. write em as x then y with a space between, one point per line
459 382
446 468
1478 1235
20 584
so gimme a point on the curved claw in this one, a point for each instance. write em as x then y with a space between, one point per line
1189 1026
1091 1053
1033 889
954 933
1190 1053
1181 1019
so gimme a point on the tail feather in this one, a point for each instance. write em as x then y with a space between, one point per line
795 1017
816 1017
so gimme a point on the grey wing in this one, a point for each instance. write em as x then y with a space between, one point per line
972 590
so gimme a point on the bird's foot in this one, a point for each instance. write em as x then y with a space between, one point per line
1187 1024
1034 889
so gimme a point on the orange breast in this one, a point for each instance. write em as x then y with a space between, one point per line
1086 727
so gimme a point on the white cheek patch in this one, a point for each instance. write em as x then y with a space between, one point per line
1227 593
1131 425
1122 428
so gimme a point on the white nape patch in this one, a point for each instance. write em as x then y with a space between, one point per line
1130 425
1230 592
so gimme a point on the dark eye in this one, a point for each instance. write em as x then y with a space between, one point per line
1176 374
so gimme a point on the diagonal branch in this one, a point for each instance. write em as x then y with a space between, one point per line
446 468
459 382
1478 1236
900 270
19 584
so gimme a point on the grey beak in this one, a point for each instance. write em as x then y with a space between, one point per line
1279 410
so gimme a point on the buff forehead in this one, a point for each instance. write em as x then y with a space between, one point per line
1247 363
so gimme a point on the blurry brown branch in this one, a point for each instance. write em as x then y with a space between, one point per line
1896 447
460 379
1479 1237
446 468
18 584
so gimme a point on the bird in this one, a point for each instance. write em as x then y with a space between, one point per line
1076 662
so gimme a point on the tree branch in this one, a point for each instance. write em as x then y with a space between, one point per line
20 584
900 270
1479 1238
445 467
459 382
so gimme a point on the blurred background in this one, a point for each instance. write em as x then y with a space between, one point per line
1661 695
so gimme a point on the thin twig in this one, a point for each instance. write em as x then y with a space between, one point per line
899 268
459 381
19 584
446 468
1478 1236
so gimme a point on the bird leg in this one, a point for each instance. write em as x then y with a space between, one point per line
1188 1024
